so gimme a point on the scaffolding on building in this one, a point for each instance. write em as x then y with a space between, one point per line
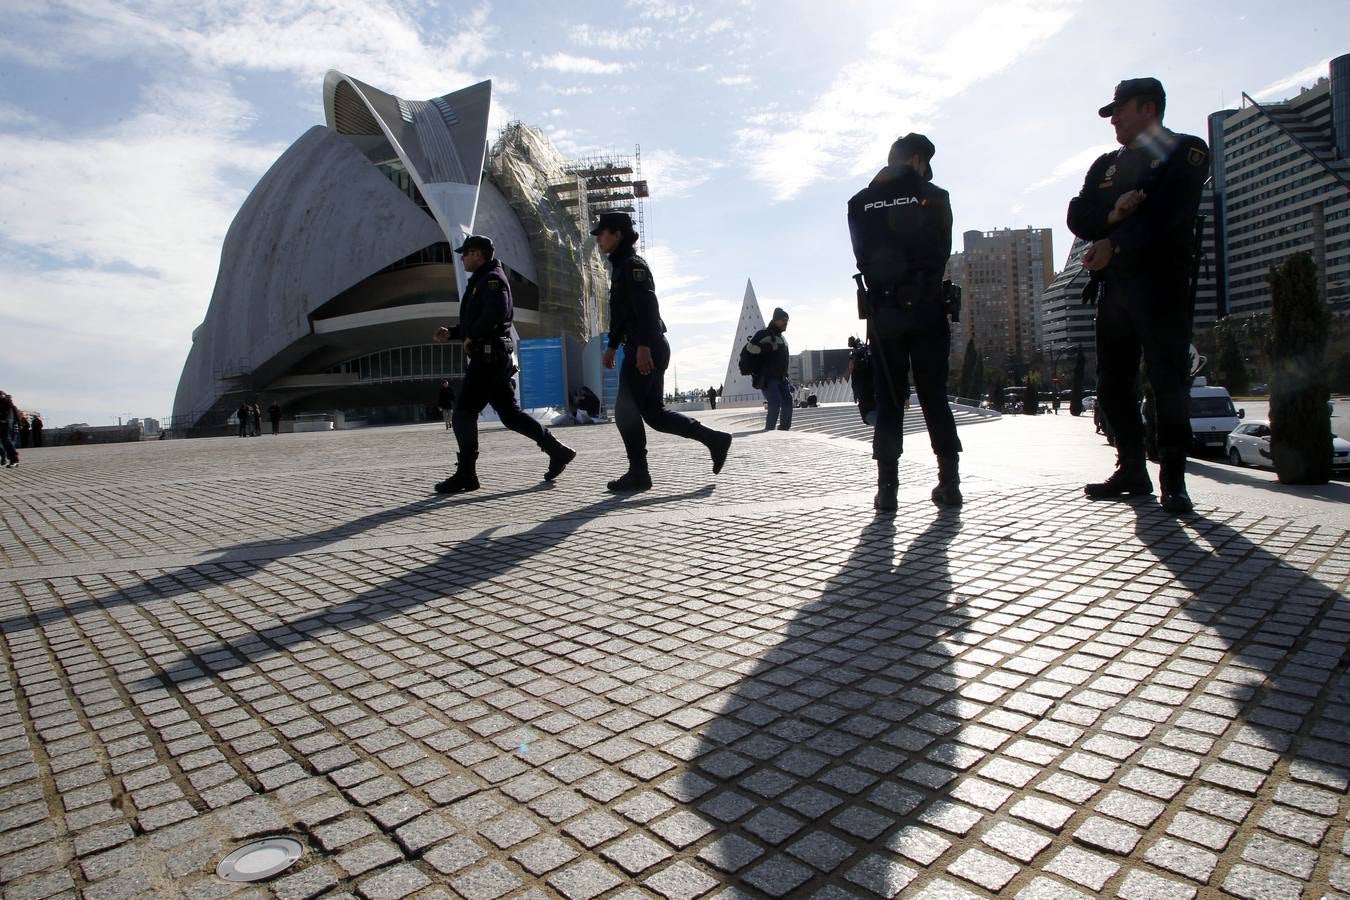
605 183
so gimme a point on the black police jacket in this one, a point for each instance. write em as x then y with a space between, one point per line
486 312
1171 170
769 344
634 315
901 227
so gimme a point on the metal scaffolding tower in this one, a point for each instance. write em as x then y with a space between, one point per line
605 183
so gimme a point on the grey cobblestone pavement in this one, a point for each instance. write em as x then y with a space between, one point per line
740 687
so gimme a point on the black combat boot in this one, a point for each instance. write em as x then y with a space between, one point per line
718 444
1172 479
465 477
1130 478
559 455
888 485
637 478
948 490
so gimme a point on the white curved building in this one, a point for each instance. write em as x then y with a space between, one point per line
338 266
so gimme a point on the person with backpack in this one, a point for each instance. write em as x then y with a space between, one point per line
859 377
768 357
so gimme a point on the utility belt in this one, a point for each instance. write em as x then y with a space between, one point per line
494 350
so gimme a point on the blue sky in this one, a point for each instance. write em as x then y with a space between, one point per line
131 133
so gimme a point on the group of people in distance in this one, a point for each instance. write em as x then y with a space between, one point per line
18 428
250 418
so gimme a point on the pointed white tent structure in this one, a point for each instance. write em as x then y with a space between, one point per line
736 388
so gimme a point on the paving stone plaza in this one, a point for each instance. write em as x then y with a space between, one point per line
738 687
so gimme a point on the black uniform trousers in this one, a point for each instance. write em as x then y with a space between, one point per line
642 399
918 339
1145 315
487 382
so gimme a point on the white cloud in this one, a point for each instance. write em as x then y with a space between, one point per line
579 65
611 39
1075 167
11 115
1285 87
671 174
898 84
734 80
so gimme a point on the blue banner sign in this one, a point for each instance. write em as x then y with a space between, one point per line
541 373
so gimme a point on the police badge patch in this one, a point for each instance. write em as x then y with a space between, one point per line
1195 156
639 274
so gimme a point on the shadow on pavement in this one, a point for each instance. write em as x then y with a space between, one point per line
1264 635
1335 492
807 767
468 563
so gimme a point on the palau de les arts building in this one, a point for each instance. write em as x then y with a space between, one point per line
339 265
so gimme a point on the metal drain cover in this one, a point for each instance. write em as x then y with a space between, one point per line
260 859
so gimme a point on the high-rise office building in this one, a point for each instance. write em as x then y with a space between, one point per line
1282 186
1002 276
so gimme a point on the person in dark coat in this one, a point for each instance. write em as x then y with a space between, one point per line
485 316
36 425
635 323
9 454
769 345
1138 206
445 402
274 413
244 412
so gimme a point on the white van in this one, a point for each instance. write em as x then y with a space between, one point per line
1213 416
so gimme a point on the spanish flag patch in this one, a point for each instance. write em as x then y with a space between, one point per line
1195 156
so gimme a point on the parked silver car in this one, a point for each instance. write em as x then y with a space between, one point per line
1249 445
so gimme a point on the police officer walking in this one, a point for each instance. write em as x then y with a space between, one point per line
901 226
771 349
635 322
1138 206
485 316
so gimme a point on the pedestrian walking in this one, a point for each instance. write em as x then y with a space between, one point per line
243 412
255 419
770 350
274 413
25 428
445 402
9 454
37 426
712 398
635 323
901 228
485 316
1138 206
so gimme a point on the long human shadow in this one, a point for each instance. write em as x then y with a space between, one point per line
468 563
1226 474
1265 615
835 739
170 585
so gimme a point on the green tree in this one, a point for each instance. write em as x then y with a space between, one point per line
966 386
1031 399
1076 391
1340 374
998 380
1231 367
1300 429
977 380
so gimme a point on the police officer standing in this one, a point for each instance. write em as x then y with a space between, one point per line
901 226
485 316
635 322
1138 206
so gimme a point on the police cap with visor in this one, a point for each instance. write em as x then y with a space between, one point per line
1131 88
613 221
476 242
910 144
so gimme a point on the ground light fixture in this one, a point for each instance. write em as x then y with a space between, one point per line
260 859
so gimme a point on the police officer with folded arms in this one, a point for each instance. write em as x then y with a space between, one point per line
901 227
1138 206
485 316
635 323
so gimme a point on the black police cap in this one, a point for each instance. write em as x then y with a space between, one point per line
613 221
476 242
910 144
1131 88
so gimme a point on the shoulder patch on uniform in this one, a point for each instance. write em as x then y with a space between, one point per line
1195 156
494 282
639 274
